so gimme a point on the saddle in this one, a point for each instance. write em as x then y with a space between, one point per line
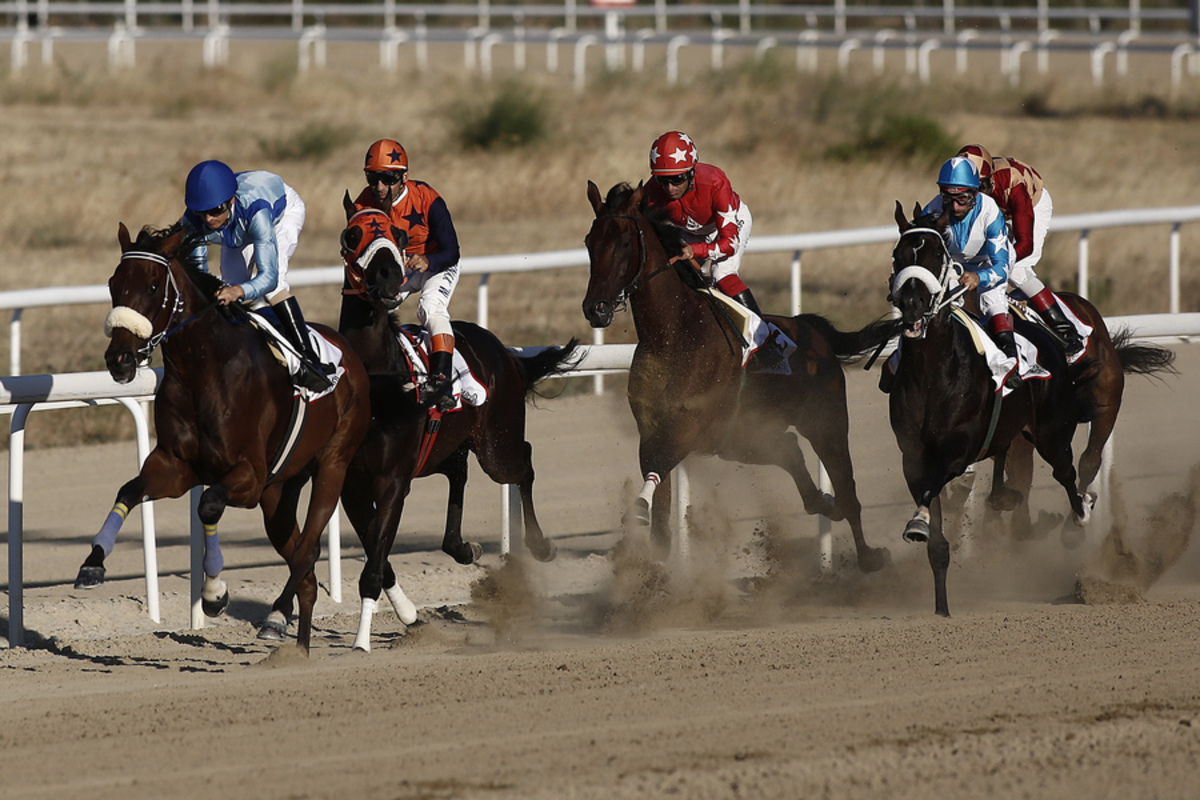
281 350
997 362
754 331
465 388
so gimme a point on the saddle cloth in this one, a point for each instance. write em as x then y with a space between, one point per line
1000 364
755 332
465 387
1082 328
284 353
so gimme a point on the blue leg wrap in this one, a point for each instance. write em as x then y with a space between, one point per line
214 562
107 535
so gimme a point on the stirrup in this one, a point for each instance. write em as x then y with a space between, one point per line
313 377
437 393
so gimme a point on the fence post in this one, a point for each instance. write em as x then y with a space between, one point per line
1082 276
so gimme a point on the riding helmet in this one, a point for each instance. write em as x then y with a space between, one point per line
959 171
673 153
209 184
386 155
980 157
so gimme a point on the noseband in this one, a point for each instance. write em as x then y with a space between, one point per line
128 318
938 285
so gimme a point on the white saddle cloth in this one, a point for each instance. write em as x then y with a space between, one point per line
327 350
755 331
465 387
1000 364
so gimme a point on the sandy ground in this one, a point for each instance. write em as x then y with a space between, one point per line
742 671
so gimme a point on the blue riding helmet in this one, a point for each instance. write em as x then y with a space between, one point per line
959 171
209 184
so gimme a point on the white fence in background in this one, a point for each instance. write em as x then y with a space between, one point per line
1009 31
19 395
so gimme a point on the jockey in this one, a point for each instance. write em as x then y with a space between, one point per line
715 223
976 237
256 218
1017 188
433 254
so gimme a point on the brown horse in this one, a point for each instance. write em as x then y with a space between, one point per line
1100 380
688 390
944 407
408 441
223 414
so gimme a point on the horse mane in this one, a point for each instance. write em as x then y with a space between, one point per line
151 239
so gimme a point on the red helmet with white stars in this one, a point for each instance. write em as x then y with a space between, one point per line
673 153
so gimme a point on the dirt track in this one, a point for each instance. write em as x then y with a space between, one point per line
743 673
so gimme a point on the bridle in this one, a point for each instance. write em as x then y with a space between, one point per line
172 308
620 301
938 285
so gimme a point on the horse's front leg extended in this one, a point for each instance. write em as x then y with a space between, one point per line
938 551
161 476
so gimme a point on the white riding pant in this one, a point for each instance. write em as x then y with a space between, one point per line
236 265
994 301
728 266
1021 274
433 309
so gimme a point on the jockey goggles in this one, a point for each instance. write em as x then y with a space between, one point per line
388 178
964 198
215 212
674 180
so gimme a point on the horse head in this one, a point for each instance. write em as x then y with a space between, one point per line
922 270
373 252
147 299
617 252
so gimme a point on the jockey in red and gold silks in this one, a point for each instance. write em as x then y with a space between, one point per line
1021 194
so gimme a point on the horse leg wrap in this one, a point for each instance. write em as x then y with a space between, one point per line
214 562
645 499
362 641
106 537
404 608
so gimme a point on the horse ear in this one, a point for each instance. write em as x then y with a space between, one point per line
594 197
351 238
901 220
943 220
348 206
123 236
635 199
401 237
916 211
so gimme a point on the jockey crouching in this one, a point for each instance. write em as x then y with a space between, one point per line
699 199
432 251
257 219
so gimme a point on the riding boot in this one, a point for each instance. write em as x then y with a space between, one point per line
1063 328
313 374
441 373
1007 343
768 354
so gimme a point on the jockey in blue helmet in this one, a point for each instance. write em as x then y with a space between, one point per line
256 218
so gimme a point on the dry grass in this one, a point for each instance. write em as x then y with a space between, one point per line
82 149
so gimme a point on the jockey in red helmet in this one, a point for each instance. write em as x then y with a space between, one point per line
432 251
1017 188
699 199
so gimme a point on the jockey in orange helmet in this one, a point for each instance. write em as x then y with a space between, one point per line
1017 188
433 253
699 199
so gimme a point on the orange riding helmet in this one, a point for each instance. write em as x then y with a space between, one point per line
386 155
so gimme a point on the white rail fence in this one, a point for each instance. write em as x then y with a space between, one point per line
19 395
919 31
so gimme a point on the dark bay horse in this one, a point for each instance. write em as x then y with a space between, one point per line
222 413
688 390
401 444
1100 380
945 410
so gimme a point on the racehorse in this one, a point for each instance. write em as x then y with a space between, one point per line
223 413
687 388
944 408
407 441
1100 379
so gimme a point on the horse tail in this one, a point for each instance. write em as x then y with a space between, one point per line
547 363
1142 359
849 346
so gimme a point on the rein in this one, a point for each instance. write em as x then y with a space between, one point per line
176 309
938 285
619 302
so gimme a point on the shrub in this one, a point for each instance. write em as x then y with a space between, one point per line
513 118
313 142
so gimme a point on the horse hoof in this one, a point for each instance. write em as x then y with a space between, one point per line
1005 500
272 631
543 551
638 513
1087 502
874 559
917 531
89 577
215 608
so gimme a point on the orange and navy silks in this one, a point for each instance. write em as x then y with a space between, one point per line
374 225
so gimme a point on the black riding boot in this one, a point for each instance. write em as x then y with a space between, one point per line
768 353
1063 328
313 374
440 379
1008 345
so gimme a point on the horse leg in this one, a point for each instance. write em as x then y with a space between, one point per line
359 504
381 534
278 504
214 596
1099 431
938 551
302 556
1017 469
161 476
509 460
1003 497
1056 450
455 470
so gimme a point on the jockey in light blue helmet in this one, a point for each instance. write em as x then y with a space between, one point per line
210 185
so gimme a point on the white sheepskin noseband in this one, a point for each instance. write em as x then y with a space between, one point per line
132 321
